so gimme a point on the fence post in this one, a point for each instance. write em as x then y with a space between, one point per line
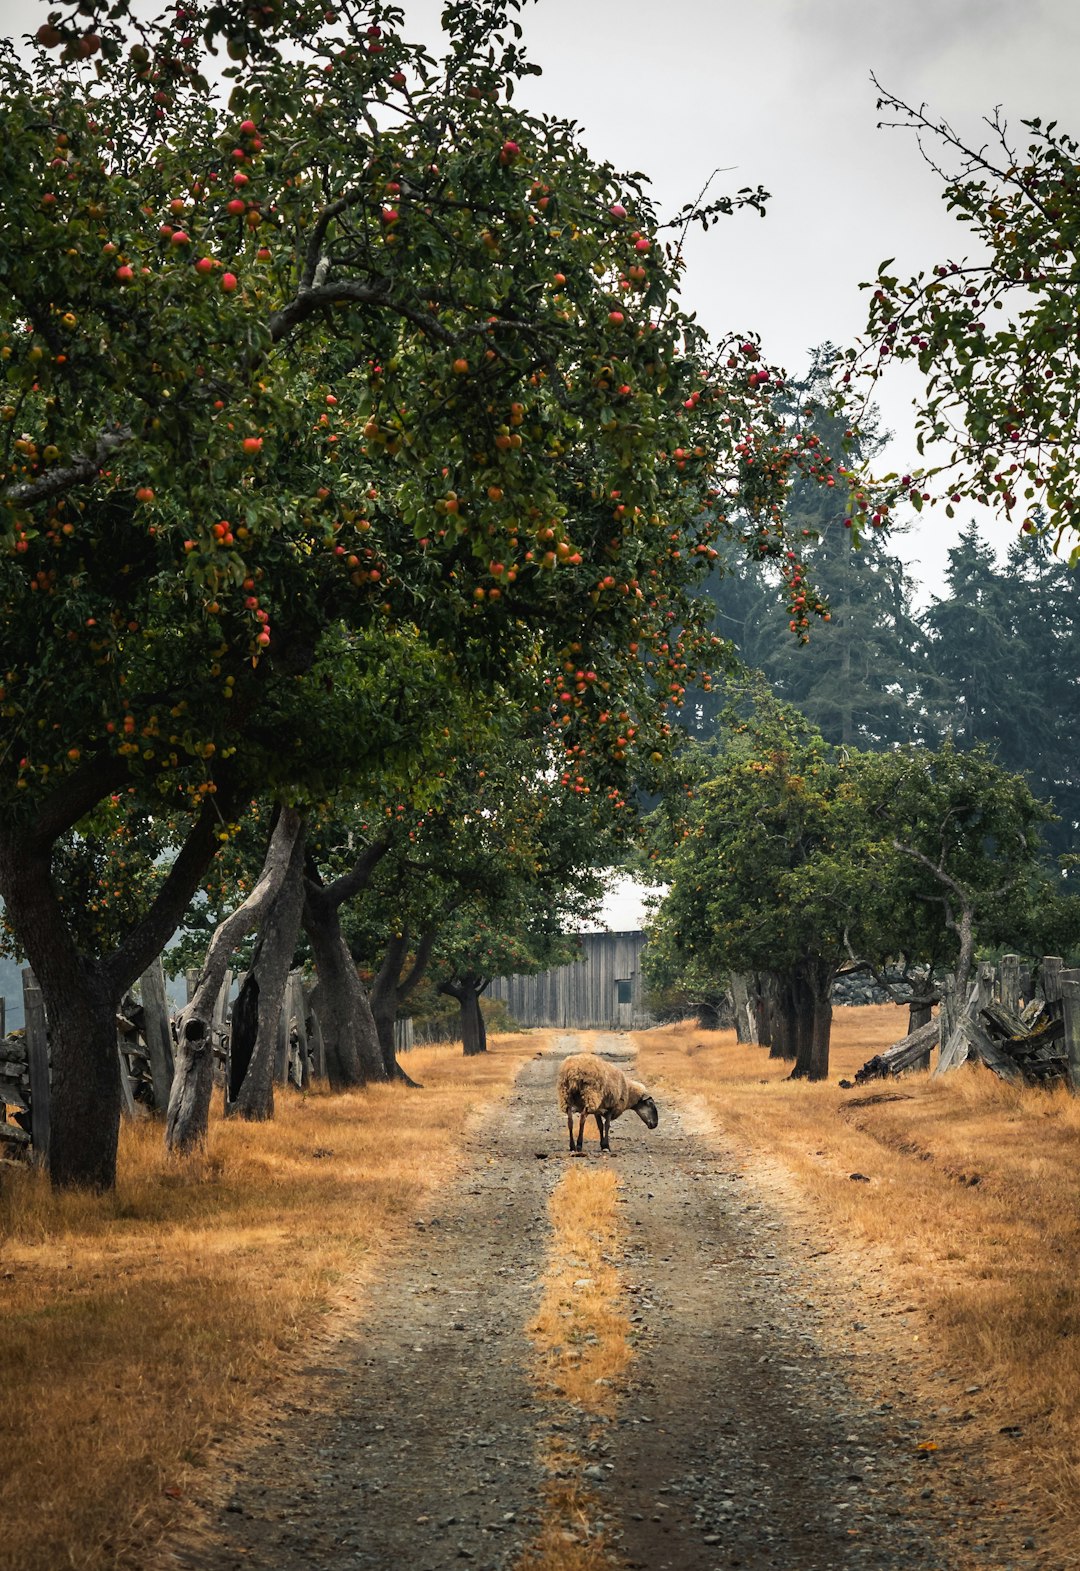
156 1032
1010 983
984 988
1070 1014
1050 973
37 1059
318 1046
295 1002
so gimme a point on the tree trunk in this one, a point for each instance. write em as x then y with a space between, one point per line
257 1012
85 1093
350 1040
467 990
740 998
919 1014
193 1080
473 1028
783 1012
157 1033
80 1009
81 996
813 981
384 998
762 1010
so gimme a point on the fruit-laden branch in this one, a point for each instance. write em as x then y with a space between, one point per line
354 291
189 1102
81 469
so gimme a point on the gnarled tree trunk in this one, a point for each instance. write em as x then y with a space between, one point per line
783 1016
390 989
743 1010
467 990
81 995
350 1040
193 1078
253 1040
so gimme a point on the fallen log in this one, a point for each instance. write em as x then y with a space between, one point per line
912 1051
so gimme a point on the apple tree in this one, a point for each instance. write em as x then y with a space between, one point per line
993 329
360 344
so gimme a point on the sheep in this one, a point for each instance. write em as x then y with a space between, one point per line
589 1086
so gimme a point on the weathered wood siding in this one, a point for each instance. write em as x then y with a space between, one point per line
585 995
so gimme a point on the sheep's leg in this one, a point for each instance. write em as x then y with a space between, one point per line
581 1130
605 1132
600 1129
570 1127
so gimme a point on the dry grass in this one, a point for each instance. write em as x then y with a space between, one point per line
971 1213
581 1335
140 1326
581 1330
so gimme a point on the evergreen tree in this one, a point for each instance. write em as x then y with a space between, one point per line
1005 650
861 678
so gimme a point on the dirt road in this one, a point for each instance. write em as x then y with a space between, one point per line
420 1438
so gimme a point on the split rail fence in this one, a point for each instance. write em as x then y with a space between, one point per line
1024 1026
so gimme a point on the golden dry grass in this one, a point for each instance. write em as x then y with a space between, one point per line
139 1326
581 1329
971 1212
581 1335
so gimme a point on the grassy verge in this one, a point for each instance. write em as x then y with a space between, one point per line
140 1326
970 1213
581 1337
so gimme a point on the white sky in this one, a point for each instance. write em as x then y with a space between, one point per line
778 92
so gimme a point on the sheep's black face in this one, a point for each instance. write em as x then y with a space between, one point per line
647 1111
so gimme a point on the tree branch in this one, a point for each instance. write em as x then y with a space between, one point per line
357 877
156 926
354 291
81 469
421 960
75 796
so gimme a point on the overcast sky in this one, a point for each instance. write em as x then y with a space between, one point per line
778 93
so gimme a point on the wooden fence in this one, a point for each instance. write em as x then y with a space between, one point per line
1022 1025
144 1046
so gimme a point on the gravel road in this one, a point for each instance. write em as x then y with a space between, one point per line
414 1440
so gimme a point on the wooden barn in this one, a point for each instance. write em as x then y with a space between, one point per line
602 989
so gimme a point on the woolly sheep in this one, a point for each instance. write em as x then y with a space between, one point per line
591 1087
